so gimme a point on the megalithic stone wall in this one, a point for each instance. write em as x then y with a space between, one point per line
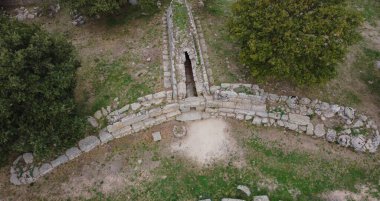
244 102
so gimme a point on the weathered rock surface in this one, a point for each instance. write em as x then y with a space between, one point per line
358 143
319 130
93 122
261 198
73 153
299 119
156 136
245 189
59 161
88 143
331 135
189 116
45 168
344 140
28 158
105 137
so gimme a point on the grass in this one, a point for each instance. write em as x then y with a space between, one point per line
370 9
368 73
222 52
180 17
294 171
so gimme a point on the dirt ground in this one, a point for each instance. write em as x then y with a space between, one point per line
129 161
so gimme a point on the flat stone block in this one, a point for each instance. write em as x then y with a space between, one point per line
73 153
88 143
156 136
261 198
189 116
45 168
59 161
105 137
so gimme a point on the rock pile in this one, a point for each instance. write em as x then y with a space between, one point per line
24 14
78 20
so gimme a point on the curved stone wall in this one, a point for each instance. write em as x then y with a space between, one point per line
245 102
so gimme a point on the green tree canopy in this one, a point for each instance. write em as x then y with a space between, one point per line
37 78
302 41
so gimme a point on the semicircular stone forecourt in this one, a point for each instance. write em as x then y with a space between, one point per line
337 124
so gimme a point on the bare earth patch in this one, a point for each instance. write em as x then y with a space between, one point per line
342 195
207 141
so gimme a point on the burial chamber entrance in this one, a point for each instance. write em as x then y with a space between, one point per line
190 83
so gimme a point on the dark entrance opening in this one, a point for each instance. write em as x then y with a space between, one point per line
190 83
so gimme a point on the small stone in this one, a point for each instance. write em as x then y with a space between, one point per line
245 189
256 121
370 146
359 123
179 131
88 143
149 59
310 129
104 111
331 135
98 114
344 140
349 112
319 130
378 65
305 101
93 122
156 136
14 179
261 198
28 158
231 199
30 16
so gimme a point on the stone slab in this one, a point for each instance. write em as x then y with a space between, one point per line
156 136
299 119
88 143
73 153
189 116
105 137
59 161
45 168
261 198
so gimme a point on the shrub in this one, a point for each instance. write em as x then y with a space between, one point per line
97 7
149 6
37 78
301 41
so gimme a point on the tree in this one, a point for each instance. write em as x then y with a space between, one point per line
301 41
37 78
